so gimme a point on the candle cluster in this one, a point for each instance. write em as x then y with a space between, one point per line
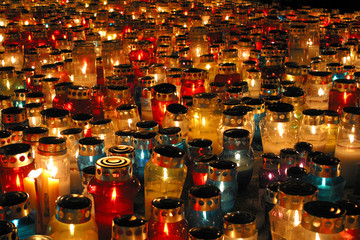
113 109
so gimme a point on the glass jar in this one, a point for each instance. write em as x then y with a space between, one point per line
296 97
64 226
5 102
36 83
279 128
200 168
135 224
316 217
147 126
8 230
127 117
16 209
32 135
172 136
352 229
240 226
298 48
103 129
176 116
78 100
313 129
317 88
208 63
164 95
193 81
227 74
325 175
19 97
82 120
55 120
84 62
164 174
17 162
143 96
332 122
269 172
222 174
304 149
34 113
289 157
124 137
236 148
344 93
204 118
204 209
52 156
90 150
61 94
167 219
14 116
114 193
112 54
205 233
127 70
287 213
13 56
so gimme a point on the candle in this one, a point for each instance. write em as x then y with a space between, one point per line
53 191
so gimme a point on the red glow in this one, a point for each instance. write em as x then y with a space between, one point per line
18 184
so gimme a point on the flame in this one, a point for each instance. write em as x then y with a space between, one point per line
321 92
280 129
72 229
35 173
317 237
117 63
203 121
198 52
313 130
83 69
166 230
297 218
351 138
165 174
208 66
7 84
51 167
1 38
346 96
29 37
113 195
26 22
18 181
252 82
13 60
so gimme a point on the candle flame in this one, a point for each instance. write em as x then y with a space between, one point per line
117 62
72 229
83 69
203 121
35 173
208 66
1 38
317 236
321 92
165 174
252 82
26 22
7 84
166 230
297 218
351 138
13 60
51 167
313 130
113 195
280 129
17 181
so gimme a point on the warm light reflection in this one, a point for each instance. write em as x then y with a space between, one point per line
83 69
313 130
72 229
18 181
113 195
166 230
35 173
297 218
13 60
317 237
321 92
280 129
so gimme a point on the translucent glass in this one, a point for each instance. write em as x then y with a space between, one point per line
212 218
317 95
330 189
314 134
300 233
283 221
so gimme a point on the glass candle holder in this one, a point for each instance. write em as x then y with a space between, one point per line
52 156
82 120
279 128
134 224
17 163
84 62
124 137
193 82
122 151
8 230
143 96
269 90
222 174
313 129
240 225
55 120
332 121
83 227
61 94
227 74
298 44
34 113
236 148
197 148
112 55
293 73
321 213
204 118
204 207
337 69
289 157
78 100
17 133
5 102
166 225
304 149
325 175
176 116
200 168
219 89
269 172
164 95
90 150
113 193
205 233
286 215
164 174
172 136
147 126
348 143
127 117
352 229
126 70
16 209
36 83
296 97
344 93
103 129
14 116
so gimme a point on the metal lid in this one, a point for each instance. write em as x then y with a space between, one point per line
91 146
118 91
33 134
124 137
331 117
34 109
257 104
289 156
129 227
167 209
240 225
16 155
14 205
103 126
200 146
20 94
294 194
164 92
148 126
204 198
115 80
87 174
147 81
169 136
193 74
205 100
8 230
335 67
325 166
55 117
127 111
78 92
270 161
36 80
227 68
113 169
52 146
222 171
350 115
296 173
123 151
73 209
5 101
269 90
227 104
352 217
205 233
280 112
178 110
313 117
344 85
35 97
235 117
82 120
61 88
14 115
323 217
168 156
5 137
144 140
236 139
38 237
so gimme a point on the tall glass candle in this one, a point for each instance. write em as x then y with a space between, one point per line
84 60
164 95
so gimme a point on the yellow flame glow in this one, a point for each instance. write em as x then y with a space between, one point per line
321 92
297 218
13 60
83 69
72 229
113 195
35 173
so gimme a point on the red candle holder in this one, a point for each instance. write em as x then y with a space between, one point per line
164 95
343 94
193 81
